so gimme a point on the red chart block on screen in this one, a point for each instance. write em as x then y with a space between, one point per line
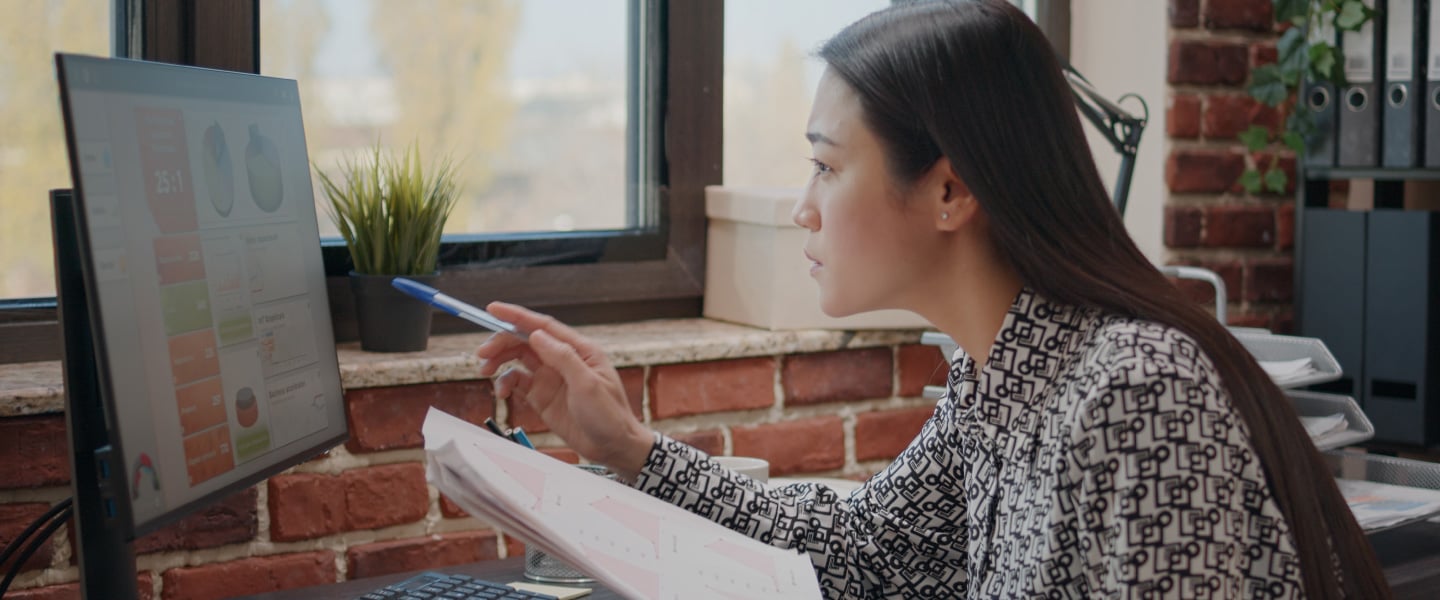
165 168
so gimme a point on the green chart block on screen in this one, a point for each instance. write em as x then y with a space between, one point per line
185 307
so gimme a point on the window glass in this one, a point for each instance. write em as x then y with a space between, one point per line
530 97
32 135
770 76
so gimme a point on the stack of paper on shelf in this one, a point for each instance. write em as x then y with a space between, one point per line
1321 428
1379 505
638 546
1285 371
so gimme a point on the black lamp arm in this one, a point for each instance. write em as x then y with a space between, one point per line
1121 128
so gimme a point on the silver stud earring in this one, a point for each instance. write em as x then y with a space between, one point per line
944 215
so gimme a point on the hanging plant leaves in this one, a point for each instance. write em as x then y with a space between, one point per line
1289 10
1255 138
1322 62
1250 180
1294 141
1275 180
1352 15
1268 86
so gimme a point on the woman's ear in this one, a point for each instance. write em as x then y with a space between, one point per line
952 203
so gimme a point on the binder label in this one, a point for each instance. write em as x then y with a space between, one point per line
1399 40
1359 47
1433 48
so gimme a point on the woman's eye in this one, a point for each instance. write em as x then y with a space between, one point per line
820 167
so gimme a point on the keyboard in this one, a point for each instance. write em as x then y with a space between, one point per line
439 586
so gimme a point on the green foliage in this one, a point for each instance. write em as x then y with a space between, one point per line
391 210
1298 59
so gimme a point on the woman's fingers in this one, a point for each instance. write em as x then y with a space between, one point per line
530 321
512 381
492 361
559 356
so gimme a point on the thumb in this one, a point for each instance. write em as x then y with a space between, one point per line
558 355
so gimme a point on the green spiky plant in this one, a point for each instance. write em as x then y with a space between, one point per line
391 210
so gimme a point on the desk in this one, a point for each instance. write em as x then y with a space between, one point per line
1410 556
499 571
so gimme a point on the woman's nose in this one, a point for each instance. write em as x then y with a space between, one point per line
804 214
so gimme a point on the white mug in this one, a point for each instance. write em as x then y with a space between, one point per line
755 468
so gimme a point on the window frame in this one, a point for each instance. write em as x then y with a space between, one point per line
624 277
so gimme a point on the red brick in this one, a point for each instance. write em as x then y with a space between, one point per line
837 376
1227 115
1203 170
1270 280
1263 53
387 495
709 441
562 455
1254 15
450 510
513 546
1182 226
920 366
1286 164
1182 117
145 590
14 518
1206 62
1231 272
706 387
885 434
249 576
34 452
1285 227
1184 14
308 505
429 552
802 446
230 521
1244 319
305 505
522 415
390 417
1284 323
1239 226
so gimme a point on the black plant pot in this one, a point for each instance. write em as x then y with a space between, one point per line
390 320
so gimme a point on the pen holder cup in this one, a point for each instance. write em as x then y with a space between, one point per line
543 568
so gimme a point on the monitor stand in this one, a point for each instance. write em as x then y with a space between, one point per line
106 557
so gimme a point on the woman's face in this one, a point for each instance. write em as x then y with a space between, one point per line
869 246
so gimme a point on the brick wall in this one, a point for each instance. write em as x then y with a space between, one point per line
364 508
1209 221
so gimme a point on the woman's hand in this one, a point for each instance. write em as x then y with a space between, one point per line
571 384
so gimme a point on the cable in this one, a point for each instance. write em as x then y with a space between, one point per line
36 524
58 519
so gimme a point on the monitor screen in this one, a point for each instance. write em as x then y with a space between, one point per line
203 276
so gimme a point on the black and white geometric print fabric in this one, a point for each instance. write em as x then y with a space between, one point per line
1093 456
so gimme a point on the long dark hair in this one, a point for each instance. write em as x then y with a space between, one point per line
976 81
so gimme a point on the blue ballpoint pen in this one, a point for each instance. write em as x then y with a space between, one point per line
455 307
518 434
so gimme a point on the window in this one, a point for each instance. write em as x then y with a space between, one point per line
32 141
648 264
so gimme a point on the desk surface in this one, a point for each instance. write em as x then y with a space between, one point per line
1410 556
499 571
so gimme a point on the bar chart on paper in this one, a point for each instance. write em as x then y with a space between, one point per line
637 545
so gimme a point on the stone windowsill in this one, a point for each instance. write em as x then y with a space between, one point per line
36 388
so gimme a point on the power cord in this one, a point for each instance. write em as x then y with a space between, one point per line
47 523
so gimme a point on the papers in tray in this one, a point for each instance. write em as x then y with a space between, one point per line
1285 371
1379 505
638 546
1321 428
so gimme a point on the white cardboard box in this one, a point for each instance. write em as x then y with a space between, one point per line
755 267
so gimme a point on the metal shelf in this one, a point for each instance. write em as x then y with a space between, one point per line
1313 173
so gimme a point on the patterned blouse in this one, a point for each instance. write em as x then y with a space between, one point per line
1092 456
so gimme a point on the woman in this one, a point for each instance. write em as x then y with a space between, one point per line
1102 436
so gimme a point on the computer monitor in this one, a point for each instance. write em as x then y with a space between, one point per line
199 352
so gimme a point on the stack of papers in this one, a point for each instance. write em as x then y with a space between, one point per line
1287 371
638 546
1322 428
1379 505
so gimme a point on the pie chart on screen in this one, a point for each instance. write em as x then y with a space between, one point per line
219 169
262 164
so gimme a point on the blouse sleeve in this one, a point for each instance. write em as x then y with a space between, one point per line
855 544
1169 494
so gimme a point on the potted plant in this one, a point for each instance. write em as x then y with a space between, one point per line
391 210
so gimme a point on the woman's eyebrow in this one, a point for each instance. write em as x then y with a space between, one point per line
820 138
